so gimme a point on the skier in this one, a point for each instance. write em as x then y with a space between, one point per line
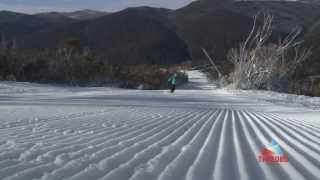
172 80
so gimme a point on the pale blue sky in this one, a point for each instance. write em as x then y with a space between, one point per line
35 6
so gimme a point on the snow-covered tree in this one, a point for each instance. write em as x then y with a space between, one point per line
260 64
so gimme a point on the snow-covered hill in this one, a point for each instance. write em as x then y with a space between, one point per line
198 133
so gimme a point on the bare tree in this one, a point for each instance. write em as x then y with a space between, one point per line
67 52
221 81
215 67
258 64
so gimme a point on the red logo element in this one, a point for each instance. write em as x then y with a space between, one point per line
267 152
273 154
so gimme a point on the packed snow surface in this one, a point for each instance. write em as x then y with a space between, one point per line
198 133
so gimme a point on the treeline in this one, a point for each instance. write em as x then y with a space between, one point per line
75 65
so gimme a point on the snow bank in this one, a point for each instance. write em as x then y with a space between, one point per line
279 98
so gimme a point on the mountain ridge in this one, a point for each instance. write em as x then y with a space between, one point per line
84 14
208 24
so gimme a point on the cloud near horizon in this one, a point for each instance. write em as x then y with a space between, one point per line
36 6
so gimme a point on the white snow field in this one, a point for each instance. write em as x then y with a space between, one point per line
198 133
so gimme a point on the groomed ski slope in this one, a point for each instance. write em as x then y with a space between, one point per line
198 133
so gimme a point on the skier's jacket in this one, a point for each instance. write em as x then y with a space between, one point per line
172 79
